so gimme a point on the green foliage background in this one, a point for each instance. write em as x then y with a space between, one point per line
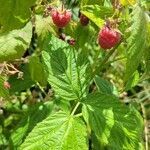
80 97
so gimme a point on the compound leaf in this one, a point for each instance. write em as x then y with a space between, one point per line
115 125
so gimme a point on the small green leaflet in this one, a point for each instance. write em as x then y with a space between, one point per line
132 81
90 2
96 13
36 70
104 86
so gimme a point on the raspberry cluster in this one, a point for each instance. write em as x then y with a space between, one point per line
108 37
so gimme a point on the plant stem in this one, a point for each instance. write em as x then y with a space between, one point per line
120 58
75 108
41 88
145 126
62 6
78 115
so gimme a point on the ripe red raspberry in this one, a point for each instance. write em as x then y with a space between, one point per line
108 37
61 18
84 20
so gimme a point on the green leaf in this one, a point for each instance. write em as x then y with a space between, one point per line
63 105
14 44
96 145
147 61
3 91
96 13
36 70
3 140
66 73
90 2
147 51
35 114
18 85
115 125
57 132
83 35
103 85
132 81
14 14
136 42
44 26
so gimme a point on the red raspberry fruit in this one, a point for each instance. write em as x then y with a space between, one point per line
108 37
61 18
84 20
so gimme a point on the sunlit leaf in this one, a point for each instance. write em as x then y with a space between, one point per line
14 43
115 125
57 132
66 72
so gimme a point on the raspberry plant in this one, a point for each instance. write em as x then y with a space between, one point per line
66 70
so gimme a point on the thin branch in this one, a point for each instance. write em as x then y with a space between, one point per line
78 115
145 126
75 108
120 58
41 88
